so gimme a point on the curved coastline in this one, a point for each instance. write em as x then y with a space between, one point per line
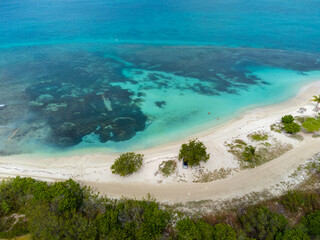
92 169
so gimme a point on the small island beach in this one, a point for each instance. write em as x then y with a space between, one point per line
94 169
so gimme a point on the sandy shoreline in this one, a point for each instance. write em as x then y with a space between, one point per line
94 169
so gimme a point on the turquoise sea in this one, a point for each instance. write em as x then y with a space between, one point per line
120 75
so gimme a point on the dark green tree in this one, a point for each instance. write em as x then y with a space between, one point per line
66 196
287 119
193 153
312 222
190 230
297 233
127 163
261 223
223 231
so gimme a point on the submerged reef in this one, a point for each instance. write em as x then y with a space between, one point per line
60 96
71 115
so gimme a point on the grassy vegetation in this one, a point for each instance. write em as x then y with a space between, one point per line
258 136
311 124
167 168
209 176
250 156
276 128
65 210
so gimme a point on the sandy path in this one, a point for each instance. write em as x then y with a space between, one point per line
239 184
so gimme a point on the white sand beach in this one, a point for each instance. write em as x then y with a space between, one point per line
94 169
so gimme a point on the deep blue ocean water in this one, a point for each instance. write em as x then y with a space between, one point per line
122 75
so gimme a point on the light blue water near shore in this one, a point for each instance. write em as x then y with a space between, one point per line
124 75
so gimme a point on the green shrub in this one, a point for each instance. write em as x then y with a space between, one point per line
294 200
223 231
140 220
312 222
297 233
193 153
262 224
127 163
65 196
258 136
292 128
249 153
14 193
311 124
168 167
189 230
287 119
14 230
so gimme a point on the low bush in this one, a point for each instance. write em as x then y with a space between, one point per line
292 128
261 223
223 231
249 153
168 167
188 229
297 233
296 200
258 136
312 222
127 163
311 124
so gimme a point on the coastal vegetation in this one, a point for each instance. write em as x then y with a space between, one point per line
127 163
289 125
193 153
203 176
258 152
168 167
311 124
258 136
67 210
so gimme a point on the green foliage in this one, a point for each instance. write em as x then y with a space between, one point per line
223 231
168 167
190 230
258 136
316 99
65 196
45 224
10 228
262 224
14 193
193 153
312 222
292 128
287 119
141 219
127 163
297 233
240 142
65 210
249 153
311 124
294 200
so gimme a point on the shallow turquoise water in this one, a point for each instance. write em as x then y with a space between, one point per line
126 75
